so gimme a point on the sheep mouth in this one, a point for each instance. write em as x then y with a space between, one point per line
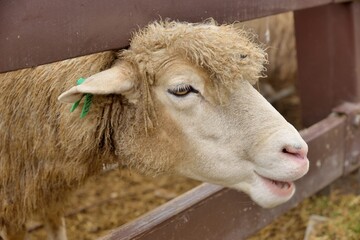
278 187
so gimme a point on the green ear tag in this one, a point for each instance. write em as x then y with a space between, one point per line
75 105
87 103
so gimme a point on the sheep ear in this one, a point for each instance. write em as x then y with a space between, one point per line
115 80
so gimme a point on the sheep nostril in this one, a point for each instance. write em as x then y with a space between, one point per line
296 151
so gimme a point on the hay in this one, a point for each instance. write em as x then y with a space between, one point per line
342 211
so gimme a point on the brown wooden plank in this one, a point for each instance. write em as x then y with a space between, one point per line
352 137
220 213
328 49
42 31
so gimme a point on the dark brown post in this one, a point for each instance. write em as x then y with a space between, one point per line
328 49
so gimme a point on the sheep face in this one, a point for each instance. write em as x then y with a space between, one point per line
227 136
239 141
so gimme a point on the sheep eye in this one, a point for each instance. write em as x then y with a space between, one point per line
182 90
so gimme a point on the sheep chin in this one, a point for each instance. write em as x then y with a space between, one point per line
265 193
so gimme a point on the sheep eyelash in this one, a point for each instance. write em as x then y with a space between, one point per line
182 90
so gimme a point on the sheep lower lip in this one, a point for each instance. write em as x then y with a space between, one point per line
281 188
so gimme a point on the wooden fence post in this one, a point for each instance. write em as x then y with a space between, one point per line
328 49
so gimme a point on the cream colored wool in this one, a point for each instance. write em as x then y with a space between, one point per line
277 33
227 53
46 151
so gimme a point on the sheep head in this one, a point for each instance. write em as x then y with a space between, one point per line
190 85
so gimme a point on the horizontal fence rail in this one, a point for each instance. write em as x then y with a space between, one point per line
41 31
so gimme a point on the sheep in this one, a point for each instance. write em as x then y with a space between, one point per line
277 34
180 100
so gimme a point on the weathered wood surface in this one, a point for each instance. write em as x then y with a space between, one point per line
328 50
42 31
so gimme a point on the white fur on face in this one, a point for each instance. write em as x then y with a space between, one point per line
239 144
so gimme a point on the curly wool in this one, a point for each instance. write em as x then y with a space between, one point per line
226 52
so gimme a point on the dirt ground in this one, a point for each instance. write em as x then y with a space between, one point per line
114 198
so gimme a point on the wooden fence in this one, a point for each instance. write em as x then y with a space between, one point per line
328 48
